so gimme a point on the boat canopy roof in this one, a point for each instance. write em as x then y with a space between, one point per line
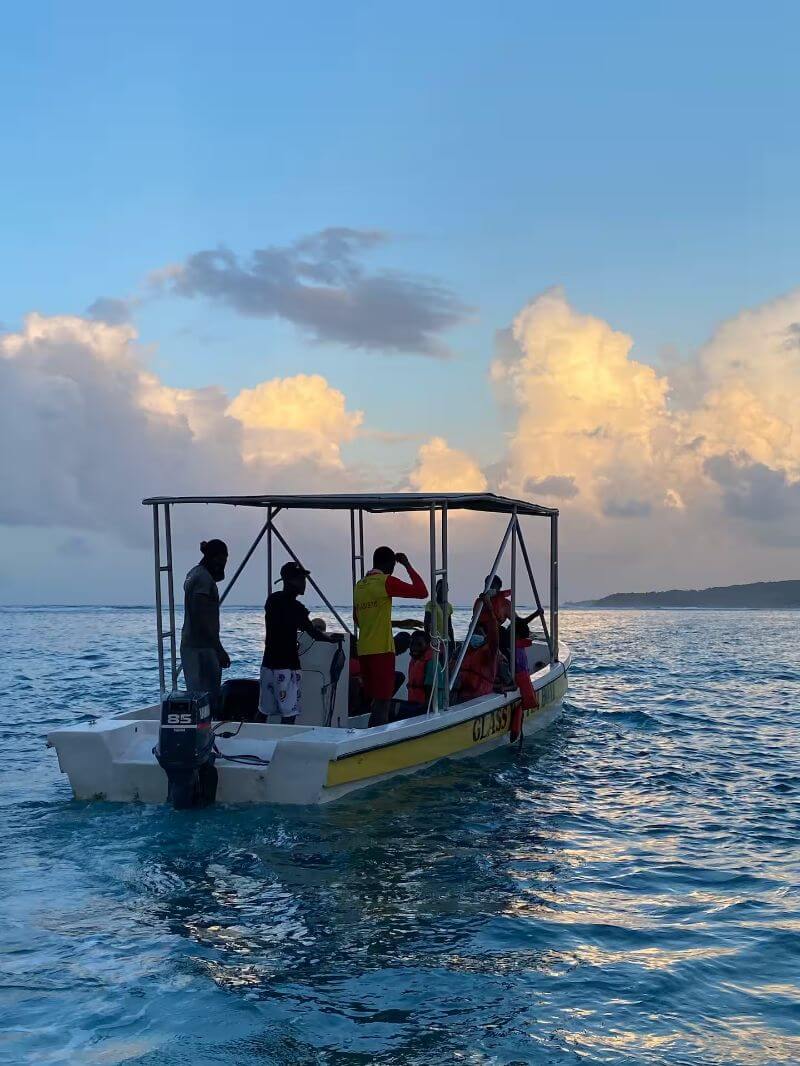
378 503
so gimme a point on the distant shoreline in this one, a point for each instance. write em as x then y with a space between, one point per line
759 596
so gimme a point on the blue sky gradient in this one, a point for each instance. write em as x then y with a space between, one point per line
644 157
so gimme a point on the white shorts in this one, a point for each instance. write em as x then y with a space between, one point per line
280 692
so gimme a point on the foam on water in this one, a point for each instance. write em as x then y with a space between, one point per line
625 890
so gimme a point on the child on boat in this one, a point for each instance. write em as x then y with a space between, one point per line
423 672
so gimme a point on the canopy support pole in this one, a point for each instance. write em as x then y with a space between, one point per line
173 655
270 513
288 549
267 525
433 705
445 603
360 542
534 589
476 611
159 618
512 629
554 588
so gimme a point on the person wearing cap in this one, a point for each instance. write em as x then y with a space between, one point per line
372 609
284 618
202 655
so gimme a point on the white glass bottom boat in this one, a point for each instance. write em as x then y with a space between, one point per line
112 758
325 754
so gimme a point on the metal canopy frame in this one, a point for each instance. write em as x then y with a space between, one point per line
374 503
438 505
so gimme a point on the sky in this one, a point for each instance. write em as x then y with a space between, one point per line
544 250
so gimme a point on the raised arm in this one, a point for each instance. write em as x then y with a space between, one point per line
415 589
323 638
205 619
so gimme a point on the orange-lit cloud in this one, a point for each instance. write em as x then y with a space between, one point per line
441 468
592 423
301 417
684 474
93 430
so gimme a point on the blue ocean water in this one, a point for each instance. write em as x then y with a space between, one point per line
625 890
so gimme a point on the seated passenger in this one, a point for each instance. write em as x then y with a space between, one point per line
422 670
402 643
478 670
304 641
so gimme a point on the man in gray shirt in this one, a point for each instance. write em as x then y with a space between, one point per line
202 655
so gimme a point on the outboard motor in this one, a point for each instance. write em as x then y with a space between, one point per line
185 750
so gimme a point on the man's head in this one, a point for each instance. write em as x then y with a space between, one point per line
384 559
319 624
440 590
419 644
495 584
294 577
215 556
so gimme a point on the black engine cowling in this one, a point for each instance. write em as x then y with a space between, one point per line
185 750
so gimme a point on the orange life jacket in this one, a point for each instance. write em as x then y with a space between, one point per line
416 677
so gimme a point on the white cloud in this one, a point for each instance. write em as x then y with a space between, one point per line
441 468
588 415
749 376
659 485
288 419
90 430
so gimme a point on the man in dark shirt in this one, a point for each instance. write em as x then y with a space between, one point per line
202 655
284 618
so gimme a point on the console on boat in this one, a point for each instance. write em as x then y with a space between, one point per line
173 749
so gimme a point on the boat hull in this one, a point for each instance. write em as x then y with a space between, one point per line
112 759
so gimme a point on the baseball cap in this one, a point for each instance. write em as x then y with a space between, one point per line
291 570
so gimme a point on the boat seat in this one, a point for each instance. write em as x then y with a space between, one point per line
316 660
239 700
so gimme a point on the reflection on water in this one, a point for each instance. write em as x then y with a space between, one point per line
624 890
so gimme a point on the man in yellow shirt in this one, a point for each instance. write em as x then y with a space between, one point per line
372 609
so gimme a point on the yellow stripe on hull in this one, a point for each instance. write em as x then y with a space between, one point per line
417 751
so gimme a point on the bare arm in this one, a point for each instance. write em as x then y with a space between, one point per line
205 623
323 638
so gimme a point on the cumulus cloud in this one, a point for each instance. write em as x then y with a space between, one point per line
289 419
320 284
695 484
441 468
590 419
697 466
748 378
90 430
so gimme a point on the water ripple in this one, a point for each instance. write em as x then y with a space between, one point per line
622 891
